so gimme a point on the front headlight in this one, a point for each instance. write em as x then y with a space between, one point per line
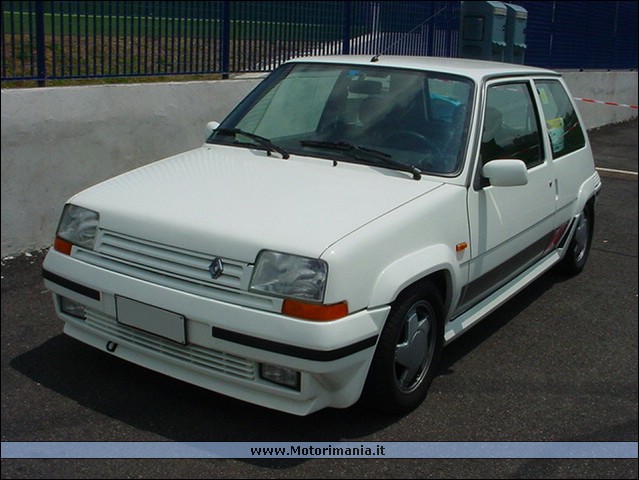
78 226
290 276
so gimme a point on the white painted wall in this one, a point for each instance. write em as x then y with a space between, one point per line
58 141
617 86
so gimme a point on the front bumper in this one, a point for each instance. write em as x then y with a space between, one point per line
225 343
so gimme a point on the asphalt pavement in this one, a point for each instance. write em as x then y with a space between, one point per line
556 363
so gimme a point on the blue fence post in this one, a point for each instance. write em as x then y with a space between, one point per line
40 47
226 39
346 29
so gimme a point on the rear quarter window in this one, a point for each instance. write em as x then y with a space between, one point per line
565 131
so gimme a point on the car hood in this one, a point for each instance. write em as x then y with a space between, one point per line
234 202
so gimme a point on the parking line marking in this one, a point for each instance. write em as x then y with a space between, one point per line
616 173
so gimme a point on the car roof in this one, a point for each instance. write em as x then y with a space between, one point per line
478 70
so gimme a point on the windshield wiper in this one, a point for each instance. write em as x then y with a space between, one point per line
262 141
349 147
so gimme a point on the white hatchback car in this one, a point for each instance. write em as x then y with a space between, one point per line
347 220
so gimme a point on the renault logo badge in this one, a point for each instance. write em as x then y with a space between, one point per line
216 268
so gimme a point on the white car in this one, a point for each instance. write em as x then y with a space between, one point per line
347 220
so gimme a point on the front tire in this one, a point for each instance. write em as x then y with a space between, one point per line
408 351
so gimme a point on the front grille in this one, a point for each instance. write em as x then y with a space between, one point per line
175 268
211 360
170 261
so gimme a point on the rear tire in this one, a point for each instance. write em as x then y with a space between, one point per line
408 351
578 250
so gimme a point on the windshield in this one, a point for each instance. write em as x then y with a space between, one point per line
395 118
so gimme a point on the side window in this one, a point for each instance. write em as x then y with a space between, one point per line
564 129
511 127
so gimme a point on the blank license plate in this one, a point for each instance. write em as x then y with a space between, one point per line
151 319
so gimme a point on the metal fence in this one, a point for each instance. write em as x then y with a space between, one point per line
581 34
44 40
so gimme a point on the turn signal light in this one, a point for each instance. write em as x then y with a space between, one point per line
62 246
312 311
460 247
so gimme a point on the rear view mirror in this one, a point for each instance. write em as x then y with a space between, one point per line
505 173
210 127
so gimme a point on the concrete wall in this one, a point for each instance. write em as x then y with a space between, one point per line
619 87
58 141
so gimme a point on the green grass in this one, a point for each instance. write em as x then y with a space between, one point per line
90 25
129 49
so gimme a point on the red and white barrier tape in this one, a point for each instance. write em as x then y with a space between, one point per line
614 104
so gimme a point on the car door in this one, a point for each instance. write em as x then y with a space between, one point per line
510 226
572 161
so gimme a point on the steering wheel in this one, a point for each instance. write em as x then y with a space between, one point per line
412 140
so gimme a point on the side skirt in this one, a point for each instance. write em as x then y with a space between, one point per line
469 318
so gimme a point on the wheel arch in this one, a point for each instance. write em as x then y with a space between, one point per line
586 200
587 195
436 265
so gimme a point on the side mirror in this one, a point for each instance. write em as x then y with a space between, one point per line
209 129
505 173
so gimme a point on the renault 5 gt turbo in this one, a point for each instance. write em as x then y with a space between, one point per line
347 220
